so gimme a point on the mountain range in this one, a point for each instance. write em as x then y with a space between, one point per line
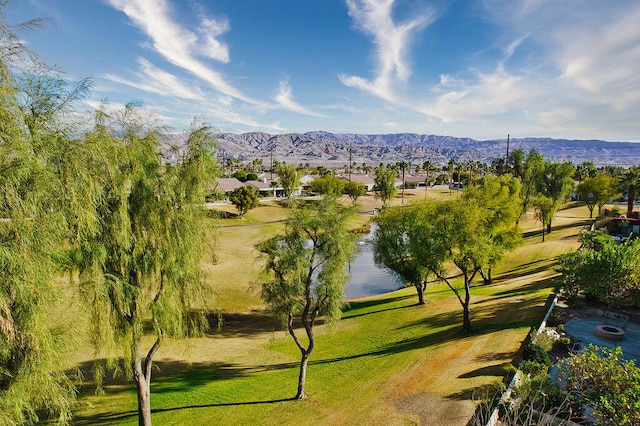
325 148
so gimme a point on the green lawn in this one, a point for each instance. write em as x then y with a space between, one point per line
388 361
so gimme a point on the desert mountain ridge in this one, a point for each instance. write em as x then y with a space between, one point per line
319 148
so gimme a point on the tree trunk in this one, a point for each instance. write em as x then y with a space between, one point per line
631 199
543 233
549 228
486 278
144 397
142 376
420 289
466 314
302 377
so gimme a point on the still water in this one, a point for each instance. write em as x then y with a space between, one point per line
367 278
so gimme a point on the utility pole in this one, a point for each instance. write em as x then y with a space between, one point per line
271 168
506 160
350 160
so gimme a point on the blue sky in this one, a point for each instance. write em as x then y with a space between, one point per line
479 69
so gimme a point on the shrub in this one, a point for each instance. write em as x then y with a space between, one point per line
604 380
562 344
534 352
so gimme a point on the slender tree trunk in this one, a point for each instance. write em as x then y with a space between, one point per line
543 228
631 199
420 289
486 278
466 314
142 376
549 227
144 396
302 377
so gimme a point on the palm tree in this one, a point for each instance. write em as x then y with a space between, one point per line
629 180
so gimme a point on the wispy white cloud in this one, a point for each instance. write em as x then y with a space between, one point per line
484 96
154 80
284 98
180 46
566 68
606 60
392 42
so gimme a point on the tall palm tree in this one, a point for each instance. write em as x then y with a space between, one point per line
628 182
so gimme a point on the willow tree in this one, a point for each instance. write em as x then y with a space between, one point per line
397 248
499 198
142 266
385 183
306 267
556 183
42 179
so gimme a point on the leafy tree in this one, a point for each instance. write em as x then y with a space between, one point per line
289 178
142 265
533 170
499 198
329 185
596 191
556 183
241 175
244 198
354 190
385 183
606 271
252 176
396 245
516 163
46 203
307 270
544 208
453 231
602 379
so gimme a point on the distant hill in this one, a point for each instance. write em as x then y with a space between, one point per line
328 148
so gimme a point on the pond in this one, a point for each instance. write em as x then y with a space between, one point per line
367 278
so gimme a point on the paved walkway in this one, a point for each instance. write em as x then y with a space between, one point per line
584 330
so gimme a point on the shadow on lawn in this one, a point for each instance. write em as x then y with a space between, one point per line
535 232
383 304
107 418
174 376
241 325
526 269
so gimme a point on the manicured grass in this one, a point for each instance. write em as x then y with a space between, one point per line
388 361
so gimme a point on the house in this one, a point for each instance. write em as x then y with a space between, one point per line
267 187
365 179
416 180
226 186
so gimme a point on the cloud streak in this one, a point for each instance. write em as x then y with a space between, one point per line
180 46
392 42
284 98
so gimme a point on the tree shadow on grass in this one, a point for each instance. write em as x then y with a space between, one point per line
172 377
377 305
522 290
496 370
525 270
241 325
534 232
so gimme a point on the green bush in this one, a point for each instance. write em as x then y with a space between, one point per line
562 344
534 352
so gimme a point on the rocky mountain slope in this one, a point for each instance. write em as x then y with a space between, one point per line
326 148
